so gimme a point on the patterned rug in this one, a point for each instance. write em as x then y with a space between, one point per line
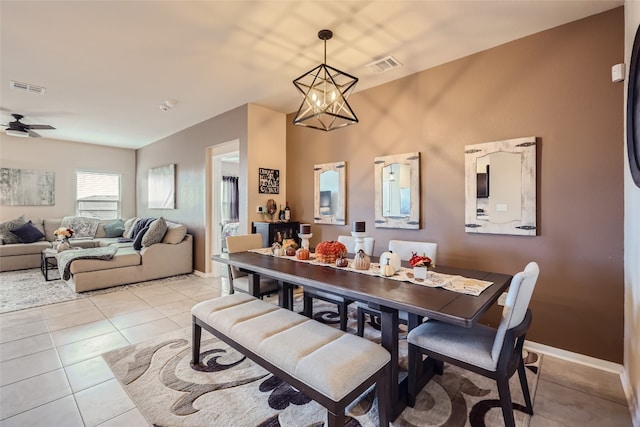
233 391
23 289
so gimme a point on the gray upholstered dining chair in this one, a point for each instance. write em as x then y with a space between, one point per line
493 353
239 280
404 249
342 303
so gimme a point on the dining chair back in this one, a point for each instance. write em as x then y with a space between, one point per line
239 280
493 353
350 243
405 248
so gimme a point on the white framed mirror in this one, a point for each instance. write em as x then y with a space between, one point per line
329 196
397 191
500 187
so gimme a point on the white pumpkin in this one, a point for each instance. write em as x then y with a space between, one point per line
392 259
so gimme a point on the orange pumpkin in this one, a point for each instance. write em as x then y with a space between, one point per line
329 251
303 253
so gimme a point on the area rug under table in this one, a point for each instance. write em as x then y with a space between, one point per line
24 289
233 391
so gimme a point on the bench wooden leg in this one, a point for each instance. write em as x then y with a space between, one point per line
196 335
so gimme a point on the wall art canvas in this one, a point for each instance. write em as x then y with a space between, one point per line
268 181
162 187
24 187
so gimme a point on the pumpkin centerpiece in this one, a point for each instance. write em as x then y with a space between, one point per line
329 251
303 254
361 261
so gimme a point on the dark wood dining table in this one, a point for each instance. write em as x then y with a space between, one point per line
386 295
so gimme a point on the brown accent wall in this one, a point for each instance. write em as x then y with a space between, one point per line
555 85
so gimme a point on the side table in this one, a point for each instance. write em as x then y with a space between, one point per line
48 262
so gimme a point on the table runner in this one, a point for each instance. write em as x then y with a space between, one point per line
454 283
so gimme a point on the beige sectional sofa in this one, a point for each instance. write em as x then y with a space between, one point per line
172 256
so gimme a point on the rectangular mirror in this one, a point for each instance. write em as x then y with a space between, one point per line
397 191
329 198
500 187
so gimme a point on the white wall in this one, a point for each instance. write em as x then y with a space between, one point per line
64 158
631 246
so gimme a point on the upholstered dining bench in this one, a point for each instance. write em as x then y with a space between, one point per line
327 365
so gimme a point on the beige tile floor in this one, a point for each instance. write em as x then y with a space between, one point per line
52 372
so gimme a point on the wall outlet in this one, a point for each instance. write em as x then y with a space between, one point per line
502 299
260 209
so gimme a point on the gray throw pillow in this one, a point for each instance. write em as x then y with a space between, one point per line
6 229
155 233
114 229
28 233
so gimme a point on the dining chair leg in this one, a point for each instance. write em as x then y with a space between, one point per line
505 402
360 318
412 380
343 313
307 306
525 387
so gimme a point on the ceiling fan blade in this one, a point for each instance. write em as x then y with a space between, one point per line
33 134
39 126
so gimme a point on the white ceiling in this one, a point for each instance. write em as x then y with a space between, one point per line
108 65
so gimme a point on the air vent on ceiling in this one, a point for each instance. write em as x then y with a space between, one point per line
39 90
384 64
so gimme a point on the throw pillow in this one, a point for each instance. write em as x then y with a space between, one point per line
28 233
139 225
175 233
114 229
7 227
128 227
137 242
83 227
155 233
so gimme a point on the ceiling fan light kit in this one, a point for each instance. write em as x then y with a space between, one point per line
23 130
325 91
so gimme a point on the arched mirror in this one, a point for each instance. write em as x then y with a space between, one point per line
329 193
500 187
397 191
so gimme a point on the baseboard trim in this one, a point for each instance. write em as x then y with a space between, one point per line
570 356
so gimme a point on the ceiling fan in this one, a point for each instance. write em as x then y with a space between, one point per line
17 128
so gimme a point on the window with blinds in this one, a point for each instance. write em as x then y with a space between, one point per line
98 195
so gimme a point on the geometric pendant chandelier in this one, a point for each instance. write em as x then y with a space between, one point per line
325 91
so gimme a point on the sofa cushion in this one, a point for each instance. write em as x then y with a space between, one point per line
175 233
7 227
28 233
128 227
50 226
155 233
24 249
125 257
84 227
114 229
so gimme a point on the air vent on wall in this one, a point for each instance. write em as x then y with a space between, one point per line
384 64
39 90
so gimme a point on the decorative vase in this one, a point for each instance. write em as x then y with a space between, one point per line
420 272
63 245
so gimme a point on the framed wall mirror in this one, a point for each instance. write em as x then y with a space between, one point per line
397 191
500 187
329 196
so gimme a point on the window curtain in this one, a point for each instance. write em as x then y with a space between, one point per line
230 199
